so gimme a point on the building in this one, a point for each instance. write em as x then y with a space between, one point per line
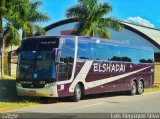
131 34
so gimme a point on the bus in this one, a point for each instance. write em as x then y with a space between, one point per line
62 66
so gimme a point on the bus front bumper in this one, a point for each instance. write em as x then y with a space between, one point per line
47 91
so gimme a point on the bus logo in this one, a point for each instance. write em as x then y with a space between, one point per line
109 67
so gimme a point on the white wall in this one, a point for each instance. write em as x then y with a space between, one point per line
125 36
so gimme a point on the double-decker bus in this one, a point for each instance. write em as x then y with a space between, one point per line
60 66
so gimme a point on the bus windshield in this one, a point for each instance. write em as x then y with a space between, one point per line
37 59
44 66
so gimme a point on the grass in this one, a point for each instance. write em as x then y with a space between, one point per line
6 106
8 97
156 87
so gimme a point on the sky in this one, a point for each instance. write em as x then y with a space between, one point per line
142 12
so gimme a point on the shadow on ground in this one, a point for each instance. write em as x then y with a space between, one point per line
94 96
8 93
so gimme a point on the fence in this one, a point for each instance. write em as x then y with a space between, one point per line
6 66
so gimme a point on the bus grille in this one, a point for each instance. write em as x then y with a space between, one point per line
33 85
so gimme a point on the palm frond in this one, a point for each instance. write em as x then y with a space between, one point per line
35 15
38 17
112 23
40 31
36 4
103 33
11 36
3 6
77 11
27 29
103 9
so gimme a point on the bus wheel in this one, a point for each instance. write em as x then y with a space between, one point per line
133 90
140 88
77 93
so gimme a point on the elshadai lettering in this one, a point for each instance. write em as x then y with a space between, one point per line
109 67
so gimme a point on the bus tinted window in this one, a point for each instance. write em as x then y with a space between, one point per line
128 55
42 44
44 65
136 55
67 57
98 51
113 53
146 57
85 50
98 54
48 44
29 45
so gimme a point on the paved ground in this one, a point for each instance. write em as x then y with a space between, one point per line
117 103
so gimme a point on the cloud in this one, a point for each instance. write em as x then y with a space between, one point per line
140 21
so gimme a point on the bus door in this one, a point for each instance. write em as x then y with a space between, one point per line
66 59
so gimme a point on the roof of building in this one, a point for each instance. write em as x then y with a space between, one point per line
151 34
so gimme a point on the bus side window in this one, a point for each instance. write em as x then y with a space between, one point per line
67 57
85 50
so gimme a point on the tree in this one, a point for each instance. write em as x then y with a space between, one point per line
16 15
92 21
6 9
29 18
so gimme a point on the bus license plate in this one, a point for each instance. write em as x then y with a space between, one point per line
32 92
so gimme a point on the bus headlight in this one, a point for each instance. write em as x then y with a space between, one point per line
19 85
49 85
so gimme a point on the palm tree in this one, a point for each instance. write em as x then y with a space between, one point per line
29 18
6 9
28 21
18 14
92 18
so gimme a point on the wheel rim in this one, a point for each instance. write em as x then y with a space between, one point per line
78 93
133 88
140 87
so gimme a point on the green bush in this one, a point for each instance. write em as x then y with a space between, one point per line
6 70
157 86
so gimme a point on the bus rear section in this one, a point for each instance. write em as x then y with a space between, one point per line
76 66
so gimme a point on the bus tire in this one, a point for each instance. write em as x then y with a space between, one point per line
133 90
77 93
140 88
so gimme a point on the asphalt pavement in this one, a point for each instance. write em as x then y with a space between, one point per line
97 105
